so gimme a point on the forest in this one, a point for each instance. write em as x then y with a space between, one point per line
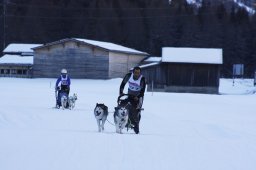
146 25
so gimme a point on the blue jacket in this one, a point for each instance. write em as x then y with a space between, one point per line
63 81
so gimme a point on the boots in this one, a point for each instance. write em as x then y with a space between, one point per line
136 124
136 128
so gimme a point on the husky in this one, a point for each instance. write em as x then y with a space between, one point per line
64 101
120 118
72 101
101 113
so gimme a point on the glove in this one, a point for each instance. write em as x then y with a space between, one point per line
57 88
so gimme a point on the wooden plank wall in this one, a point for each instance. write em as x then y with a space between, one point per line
81 61
201 78
121 63
192 75
156 75
16 70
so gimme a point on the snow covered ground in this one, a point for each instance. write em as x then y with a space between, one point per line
179 131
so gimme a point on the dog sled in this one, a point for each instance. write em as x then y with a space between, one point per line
134 114
64 101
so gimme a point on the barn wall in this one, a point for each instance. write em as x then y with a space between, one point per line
155 75
16 70
120 63
192 78
78 59
192 75
192 89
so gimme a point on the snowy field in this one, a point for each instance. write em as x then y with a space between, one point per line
178 131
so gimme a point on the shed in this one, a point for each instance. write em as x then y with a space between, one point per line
17 60
20 49
85 58
192 70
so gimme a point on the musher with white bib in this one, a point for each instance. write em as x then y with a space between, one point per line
136 89
62 86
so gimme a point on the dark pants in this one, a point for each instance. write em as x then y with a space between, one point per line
136 104
65 89
135 112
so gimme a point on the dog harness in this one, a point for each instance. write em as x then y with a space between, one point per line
64 81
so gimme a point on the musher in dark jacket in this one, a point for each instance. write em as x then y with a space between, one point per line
136 89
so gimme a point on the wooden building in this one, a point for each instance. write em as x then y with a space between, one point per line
85 58
17 61
192 70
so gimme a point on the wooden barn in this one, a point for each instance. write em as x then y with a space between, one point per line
188 70
85 58
17 61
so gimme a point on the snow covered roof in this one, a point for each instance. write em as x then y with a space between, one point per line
192 55
16 59
20 48
153 59
149 65
105 45
250 10
111 46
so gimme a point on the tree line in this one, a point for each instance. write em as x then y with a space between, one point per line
144 25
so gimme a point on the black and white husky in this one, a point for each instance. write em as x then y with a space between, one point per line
72 101
120 118
101 114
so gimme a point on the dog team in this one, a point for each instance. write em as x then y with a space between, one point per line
127 114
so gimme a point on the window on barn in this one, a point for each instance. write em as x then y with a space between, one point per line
19 71
6 71
13 71
24 72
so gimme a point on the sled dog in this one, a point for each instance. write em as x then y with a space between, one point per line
72 101
101 113
120 118
64 101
